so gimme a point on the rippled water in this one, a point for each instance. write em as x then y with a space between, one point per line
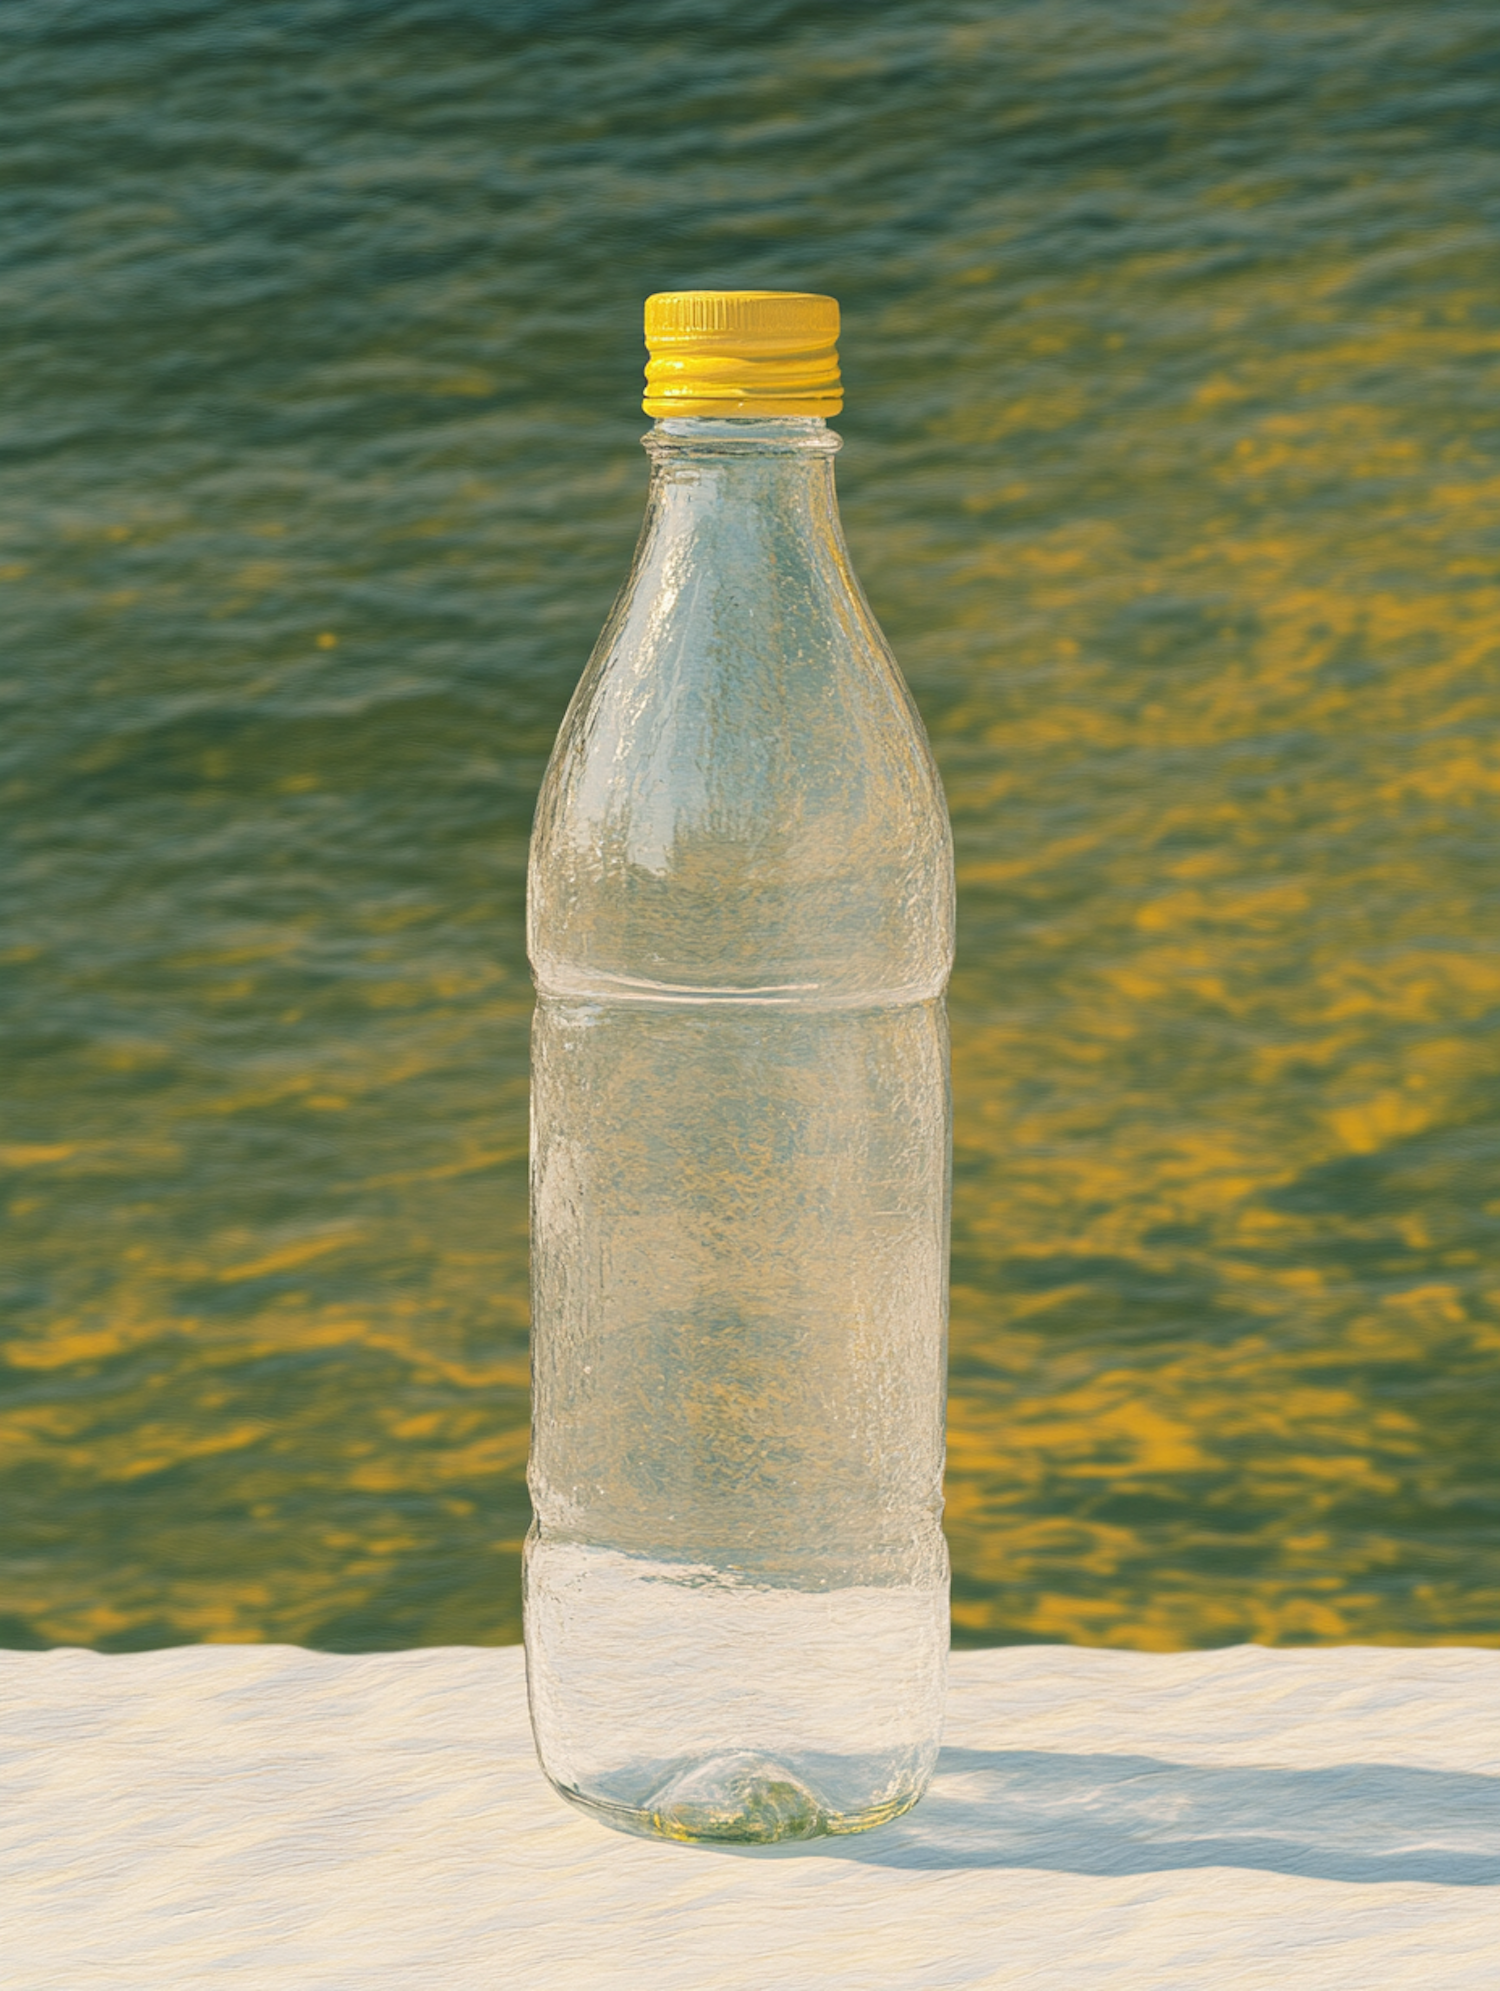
1172 338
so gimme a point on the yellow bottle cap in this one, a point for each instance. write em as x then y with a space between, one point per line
742 352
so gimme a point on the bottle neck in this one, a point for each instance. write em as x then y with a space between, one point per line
746 484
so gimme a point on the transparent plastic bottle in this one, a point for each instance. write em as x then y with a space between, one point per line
740 916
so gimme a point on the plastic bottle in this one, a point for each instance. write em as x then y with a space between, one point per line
740 917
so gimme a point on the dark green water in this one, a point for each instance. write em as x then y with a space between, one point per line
1172 342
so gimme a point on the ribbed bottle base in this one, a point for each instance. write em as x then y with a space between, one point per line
681 1701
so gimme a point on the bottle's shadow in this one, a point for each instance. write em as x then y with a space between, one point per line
1132 1814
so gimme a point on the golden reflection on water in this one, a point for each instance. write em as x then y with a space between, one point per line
1251 1068
1172 472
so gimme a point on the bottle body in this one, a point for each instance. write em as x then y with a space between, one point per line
741 927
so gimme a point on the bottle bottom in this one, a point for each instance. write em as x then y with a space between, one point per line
741 1799
678 1701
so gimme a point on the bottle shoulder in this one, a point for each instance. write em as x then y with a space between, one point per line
742 799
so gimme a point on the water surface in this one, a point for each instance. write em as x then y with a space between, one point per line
1172 341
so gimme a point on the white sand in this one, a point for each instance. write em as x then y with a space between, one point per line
260 1816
